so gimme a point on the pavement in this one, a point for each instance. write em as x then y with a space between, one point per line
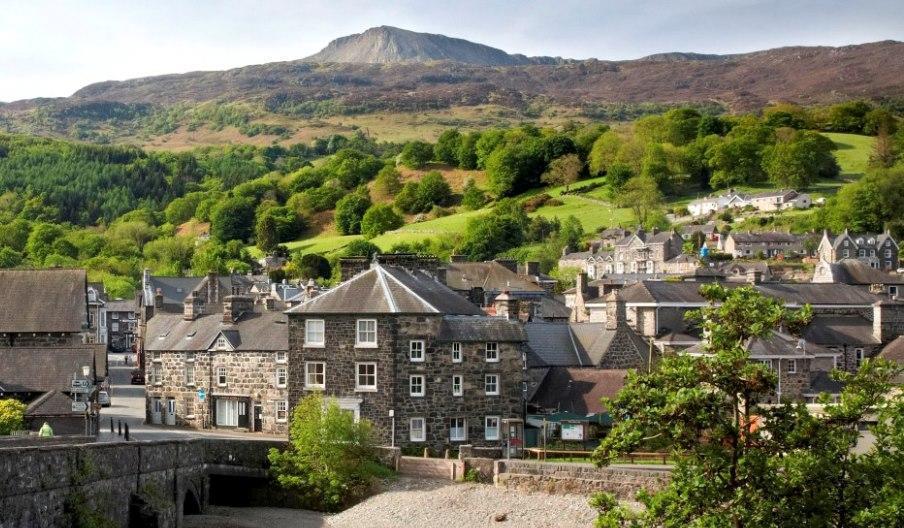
127 405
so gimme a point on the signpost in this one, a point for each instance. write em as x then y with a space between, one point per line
80 386
78 406
201 394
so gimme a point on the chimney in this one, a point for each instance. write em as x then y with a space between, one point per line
213 288
441 275
509 264
351 266
532 268
754 276
235 305
506 305
615 311
581 282
158 299
888 320
191 308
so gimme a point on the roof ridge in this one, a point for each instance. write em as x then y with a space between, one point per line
387 294
412 292
331 291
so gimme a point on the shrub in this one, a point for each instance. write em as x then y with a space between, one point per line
350 211
472 197
416 154
12 416
535 202
379 219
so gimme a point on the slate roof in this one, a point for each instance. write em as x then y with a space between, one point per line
878 239
821 381
840 330
659 237
252 331
491 276
24 369
551 308
578 390
121 305
387 290
553 345
706 229
46 300
176 289
473 328
53 403
894 351
766 237
854 271
802 293
596 341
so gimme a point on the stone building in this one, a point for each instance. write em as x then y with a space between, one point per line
779 200
396 346
763 245
879 251
858 272
646 252
97 314
122 324
222 362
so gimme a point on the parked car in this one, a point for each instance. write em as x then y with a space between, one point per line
103 398
137 377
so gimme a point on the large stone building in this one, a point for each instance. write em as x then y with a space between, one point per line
878 250
219 362
646 252
394 345
763 245
122 324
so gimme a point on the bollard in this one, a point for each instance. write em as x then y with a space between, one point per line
127 432
120 427
111 425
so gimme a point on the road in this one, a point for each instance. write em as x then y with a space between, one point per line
127 405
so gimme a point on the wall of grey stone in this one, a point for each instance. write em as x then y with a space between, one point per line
582 479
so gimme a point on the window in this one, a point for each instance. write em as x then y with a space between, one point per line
847 253
221 376
156 375
189 373
366 336
282 411
893 291
314 333
416 350
281 377
858 354
155 355
457 389
227 412
189 357
314 375
115 327
836 362
458 430
221 343
282 357
115 315
491 384
861 253
792 366
416 385
456 352
366 378
417 430
887 253
492 352
491 428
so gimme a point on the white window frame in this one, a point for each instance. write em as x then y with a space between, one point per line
308 373
463 429
411 385
858 357
496 383
422 437
282 372
310 333
365 388
492 346
358 331
190 368
282 357
487 428
458 390
456 352
281 407
412 346
792 366
222 377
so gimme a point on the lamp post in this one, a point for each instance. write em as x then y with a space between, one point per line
392 431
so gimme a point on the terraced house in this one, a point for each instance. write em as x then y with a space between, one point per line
396 346
880 251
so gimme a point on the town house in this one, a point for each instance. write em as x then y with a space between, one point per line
763 245
880 251
396 346
646 252
122 324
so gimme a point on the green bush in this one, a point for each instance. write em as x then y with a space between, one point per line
12 416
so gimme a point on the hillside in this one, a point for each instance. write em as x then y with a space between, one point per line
387 44
400 73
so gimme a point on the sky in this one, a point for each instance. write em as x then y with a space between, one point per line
53 48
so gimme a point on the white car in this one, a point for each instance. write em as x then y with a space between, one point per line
103 398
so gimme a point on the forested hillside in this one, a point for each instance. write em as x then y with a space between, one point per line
521 191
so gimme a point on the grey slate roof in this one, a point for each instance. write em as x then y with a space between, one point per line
894 351
836 330
802 293
491 276
551 308
766 237
596 341
553 345
53 403
578 390
252 331
24 369
46 300
854 271
176 289
475 328
821 381
776 344
385 290
121 305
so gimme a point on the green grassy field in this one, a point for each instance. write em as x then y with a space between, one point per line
853 152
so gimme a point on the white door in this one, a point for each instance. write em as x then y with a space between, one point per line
170 411
156 411
227 412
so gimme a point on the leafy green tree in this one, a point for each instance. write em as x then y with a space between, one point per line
712 125
655 165
9 257
488 142
642 195
604 153
489 235
172 253
564 171
330 461
360 248
872 203
447 146
849 116
265 234
232 219
407 199
735 161
416 154
15 234
378 219
388 182
349 212
312 266
467 151
216 257
472 198
12 416
40 241
616 178
352 168
515 168
433 190
571 233
798 162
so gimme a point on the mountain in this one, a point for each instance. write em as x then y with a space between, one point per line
387 44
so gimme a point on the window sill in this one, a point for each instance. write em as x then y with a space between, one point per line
492 361
158 383
281 386
416 395
458 439
281 421
417 360
314 345
359 389
189 416
314 387
420 440
366 345
491 394
192 385
492 439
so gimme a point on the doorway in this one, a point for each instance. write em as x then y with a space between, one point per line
170 411
258 417
156 411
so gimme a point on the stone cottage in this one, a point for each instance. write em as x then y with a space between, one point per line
879 251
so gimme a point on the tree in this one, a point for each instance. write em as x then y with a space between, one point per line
12 416
433 190
349 212
360 248
265 233
330 460
642 195
416 154
447 147
232 219
564 171
571 232
407 199
352 167
40 241
378 219
388 182
871 203
489 235
467 151
312 266
9 257
798 162
655 165
604 152
472 198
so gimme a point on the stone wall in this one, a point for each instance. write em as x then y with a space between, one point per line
581 479
41 340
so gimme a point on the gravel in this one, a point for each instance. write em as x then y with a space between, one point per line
418 502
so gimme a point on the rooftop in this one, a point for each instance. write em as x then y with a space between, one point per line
578 390
43 300
251 331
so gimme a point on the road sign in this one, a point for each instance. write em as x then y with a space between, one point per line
80 386
79 406
201 394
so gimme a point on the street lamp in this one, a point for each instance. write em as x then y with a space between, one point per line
392 433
